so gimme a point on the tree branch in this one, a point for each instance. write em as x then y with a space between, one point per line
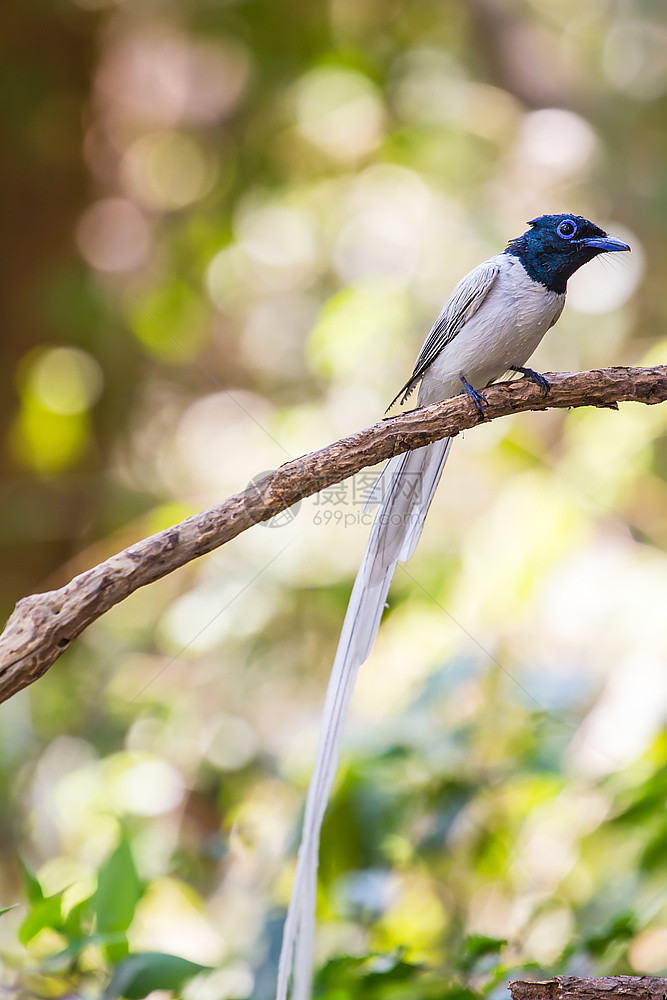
42 626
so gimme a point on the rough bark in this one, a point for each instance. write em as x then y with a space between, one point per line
42 626
577 988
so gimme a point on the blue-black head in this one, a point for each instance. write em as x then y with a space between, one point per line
555 246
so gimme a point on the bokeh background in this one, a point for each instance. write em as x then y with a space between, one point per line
228 226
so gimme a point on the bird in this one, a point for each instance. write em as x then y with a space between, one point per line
490 325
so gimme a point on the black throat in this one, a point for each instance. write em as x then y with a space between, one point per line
541 265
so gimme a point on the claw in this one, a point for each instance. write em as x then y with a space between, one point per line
477 397
534 377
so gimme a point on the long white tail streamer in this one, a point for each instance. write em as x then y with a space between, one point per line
408 482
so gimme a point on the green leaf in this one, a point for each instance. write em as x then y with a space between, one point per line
621 928
384 977
479 945
119 889
140 974
655 852
45 913
73 923
6 909
33 889
66 958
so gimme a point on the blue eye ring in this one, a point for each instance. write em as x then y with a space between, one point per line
566 229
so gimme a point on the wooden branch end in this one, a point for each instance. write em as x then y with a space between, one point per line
583 988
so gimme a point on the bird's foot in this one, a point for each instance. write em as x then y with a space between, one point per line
477 397
534 377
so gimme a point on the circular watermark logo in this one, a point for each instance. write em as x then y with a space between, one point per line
258 500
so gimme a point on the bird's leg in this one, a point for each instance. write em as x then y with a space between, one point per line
534 377
477 397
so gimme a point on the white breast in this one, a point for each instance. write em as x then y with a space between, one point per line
504 331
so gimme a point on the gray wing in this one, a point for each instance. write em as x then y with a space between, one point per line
461 306
557 316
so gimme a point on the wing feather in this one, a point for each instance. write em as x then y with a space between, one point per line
461 306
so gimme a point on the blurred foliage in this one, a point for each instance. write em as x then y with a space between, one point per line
228 227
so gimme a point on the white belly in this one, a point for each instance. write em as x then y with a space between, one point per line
504 331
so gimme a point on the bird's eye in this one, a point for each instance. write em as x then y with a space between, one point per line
566 229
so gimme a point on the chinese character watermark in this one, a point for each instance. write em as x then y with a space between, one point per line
354 501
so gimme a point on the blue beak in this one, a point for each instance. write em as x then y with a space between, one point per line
608 244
